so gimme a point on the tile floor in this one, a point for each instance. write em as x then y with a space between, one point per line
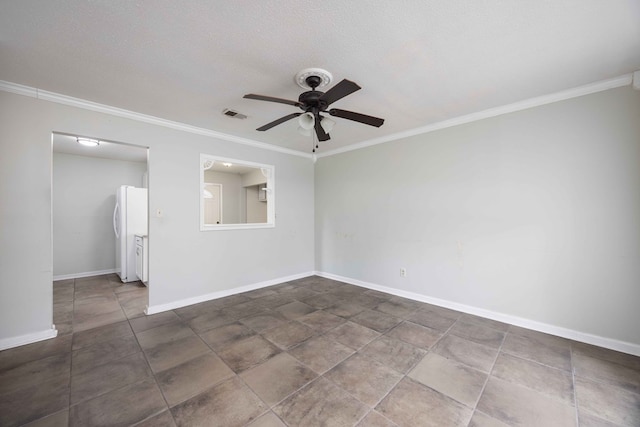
312 352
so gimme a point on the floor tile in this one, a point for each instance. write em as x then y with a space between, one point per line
267 420
370 300
59 419
321 403
118 407
274 301
249 352
289 335
395 308
27 353
466 352
295 309
394 353
192 377
320 301
103 333
163 334
369 388
321 321
57 366
552 382
459 382
374 419
607 372
477 333
517 405
541 351
613 404
412 404
376 320
345 309
163 419
228 404
419 336
321 353
432 320
482 420
244 309
211 320
264 321
103 352
107 377
134 308
169 354
352 335
221 337
83 322
277 378
483 321
34 401
589 420
623 359
141 324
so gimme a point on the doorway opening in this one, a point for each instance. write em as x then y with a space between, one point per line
99 208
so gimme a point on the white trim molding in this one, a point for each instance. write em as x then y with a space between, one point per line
84 274
600 86
11 342
145 118
624 80
153 309
613 344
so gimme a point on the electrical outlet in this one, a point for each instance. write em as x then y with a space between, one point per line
403 272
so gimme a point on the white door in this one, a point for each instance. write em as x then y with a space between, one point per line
212 203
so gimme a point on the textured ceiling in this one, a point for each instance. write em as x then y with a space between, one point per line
418 62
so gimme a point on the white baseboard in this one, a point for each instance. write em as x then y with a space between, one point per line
613 344
153 309
85 274
11 342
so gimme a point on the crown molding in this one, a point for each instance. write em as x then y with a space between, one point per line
624 80
127 114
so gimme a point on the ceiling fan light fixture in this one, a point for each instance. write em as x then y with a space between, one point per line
327 124
303 131
306 121
88 142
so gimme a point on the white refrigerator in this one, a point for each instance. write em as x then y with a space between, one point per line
129 219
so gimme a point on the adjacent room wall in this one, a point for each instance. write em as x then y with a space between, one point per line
533 215
183 262
232 195
84 190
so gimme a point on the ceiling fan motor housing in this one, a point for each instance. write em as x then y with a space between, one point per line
311 99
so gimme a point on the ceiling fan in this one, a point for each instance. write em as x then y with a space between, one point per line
314 102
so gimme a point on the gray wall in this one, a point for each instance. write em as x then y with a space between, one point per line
84 195
534 214
183 262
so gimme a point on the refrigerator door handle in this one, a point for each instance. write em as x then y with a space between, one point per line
115 221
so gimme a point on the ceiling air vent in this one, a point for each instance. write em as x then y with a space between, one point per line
233 113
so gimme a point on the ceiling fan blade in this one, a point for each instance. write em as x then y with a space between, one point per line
272 99
322 135
339 91
357 117
277 122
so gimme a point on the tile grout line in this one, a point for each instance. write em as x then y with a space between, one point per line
153 374
475 407
573 382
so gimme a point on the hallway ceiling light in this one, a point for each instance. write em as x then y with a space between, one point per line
88 142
